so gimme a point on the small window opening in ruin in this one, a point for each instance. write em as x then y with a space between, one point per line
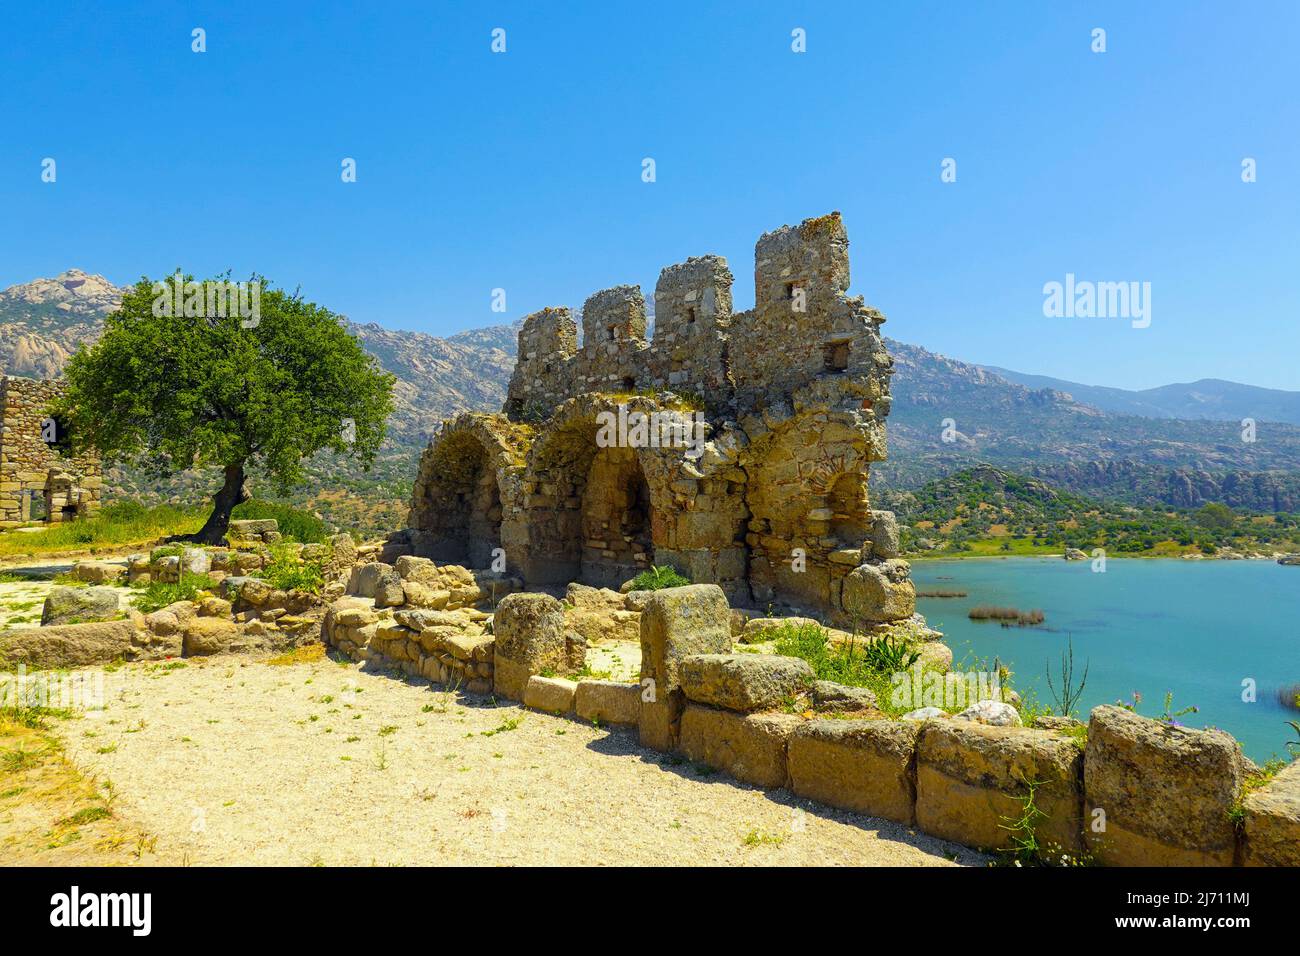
789 289
611 332
836 356
546 369
629 383
690 316
55 434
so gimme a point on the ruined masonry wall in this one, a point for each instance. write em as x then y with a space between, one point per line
803 326
35 478
773 507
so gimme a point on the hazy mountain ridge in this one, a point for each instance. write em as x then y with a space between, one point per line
1207 398
1046 432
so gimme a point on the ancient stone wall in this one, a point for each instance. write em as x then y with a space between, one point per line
802 328
763 492
39 479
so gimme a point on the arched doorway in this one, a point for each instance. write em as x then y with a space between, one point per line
460 503
616 519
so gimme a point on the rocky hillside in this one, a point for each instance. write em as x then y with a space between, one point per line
1037 431
42 322
1020 514
1074 445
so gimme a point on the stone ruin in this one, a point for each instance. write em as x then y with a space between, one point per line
733 446
39 479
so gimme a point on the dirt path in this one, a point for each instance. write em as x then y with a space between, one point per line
237 761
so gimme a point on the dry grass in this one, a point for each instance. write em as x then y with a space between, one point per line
52 813
307 654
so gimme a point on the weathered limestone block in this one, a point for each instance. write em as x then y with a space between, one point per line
378 581
972 784
98 572
253 527
1273 821
827 695
743 682
530 637
861 765
600 614
69 645
75 605
994 713
679 622
676 623
1166 791
551 694
210 635
421 595
214 607
884 542
608 702
760 629
749 747
195 561
879 592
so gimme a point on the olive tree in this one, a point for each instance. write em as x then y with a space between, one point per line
184 379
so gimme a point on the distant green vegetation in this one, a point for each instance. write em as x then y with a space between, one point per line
127 523
120 524
988 511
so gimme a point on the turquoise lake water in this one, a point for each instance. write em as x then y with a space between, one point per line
1197 628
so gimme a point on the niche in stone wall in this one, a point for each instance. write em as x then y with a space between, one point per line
835 356
850 514
461 507
616 518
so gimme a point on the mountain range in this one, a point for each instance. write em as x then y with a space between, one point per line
1208 398
1181 445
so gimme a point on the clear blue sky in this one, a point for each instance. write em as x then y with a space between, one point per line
522 170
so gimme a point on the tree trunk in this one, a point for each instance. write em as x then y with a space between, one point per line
232 493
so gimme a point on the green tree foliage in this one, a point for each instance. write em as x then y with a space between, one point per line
175 392
1215 516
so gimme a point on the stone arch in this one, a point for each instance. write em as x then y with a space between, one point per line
461 497
593 510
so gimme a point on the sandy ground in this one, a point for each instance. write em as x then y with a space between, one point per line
237 761
21 602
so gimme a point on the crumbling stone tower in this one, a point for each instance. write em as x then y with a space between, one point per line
771 503
39 479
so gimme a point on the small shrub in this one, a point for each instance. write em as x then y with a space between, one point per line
659 577
287 572
889 654
157 595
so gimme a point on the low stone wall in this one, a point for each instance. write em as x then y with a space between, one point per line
1135 791
97 624
38 481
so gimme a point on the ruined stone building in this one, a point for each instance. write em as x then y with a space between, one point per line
39 479
788 401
